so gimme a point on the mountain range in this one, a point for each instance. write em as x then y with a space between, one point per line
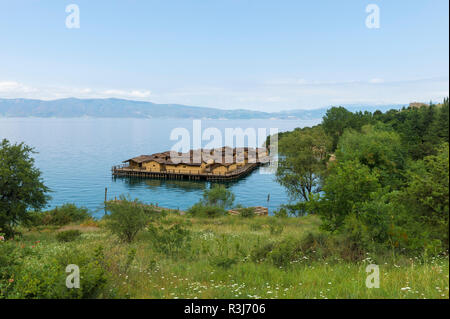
120 108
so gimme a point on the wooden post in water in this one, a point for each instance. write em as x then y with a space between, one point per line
106 194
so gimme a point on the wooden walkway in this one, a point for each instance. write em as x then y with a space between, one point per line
236 174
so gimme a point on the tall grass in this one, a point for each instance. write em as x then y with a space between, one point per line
214 260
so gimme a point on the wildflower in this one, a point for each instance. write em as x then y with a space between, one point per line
405 288
11 280
2 238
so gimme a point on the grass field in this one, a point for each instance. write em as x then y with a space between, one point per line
219 262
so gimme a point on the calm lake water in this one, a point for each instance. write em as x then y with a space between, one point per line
76 156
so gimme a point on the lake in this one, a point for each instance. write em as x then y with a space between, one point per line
75 156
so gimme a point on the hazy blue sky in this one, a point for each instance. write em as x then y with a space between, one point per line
261 55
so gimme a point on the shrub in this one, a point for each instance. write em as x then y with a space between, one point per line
281 213
59 216
226 252
202 210
259 253
311 247
68 235
46 277
285 252
224 262
126 218
172 241
219 196
247 212
11 259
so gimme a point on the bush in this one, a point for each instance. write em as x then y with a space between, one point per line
126 218
281 213
214 203
202 210
59 216
68 235
285 252
311 247
226 252
172 241
46 277
219 196
11 258
224 262
247 212
259 253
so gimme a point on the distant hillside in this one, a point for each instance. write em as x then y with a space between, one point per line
118 108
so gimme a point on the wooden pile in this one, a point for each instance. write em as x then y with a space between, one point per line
258 210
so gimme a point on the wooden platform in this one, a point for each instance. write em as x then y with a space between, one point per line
257 210
236 174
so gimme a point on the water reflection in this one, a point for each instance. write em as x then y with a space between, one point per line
185 185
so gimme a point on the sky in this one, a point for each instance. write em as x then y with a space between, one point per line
253 54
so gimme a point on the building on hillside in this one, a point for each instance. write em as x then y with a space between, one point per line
417 104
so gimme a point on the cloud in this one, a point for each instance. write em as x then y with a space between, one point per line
262 95
14 87
123 93
376 81
289 94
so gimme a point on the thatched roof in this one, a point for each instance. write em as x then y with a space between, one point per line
207 156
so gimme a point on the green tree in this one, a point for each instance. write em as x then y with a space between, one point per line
21 185
335 121
338 119
377 147
440 127
303 160
348 186
427 193
219 196
127 217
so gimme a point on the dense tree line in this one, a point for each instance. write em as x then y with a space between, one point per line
380 179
